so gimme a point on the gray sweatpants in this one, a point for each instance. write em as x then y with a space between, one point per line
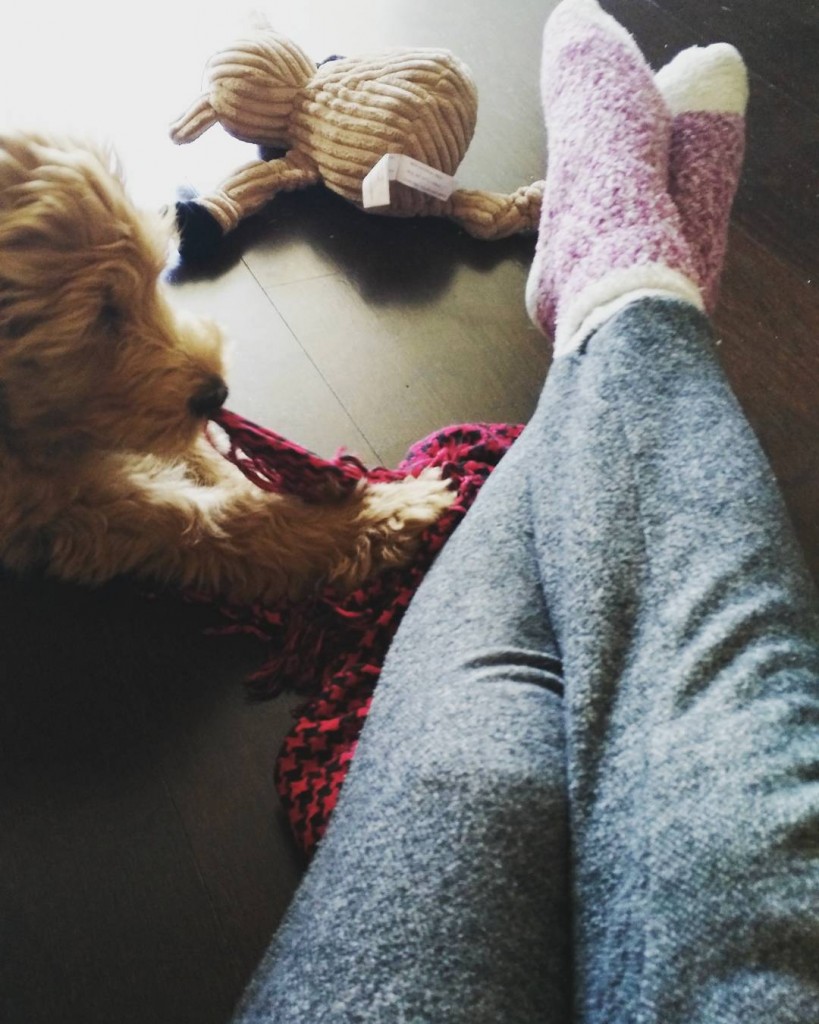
588 789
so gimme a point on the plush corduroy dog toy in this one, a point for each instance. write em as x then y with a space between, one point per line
401 119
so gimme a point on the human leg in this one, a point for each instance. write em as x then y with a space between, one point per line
689 642
679 600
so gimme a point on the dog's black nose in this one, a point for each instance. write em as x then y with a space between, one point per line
209 398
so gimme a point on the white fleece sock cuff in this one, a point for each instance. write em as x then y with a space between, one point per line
600 301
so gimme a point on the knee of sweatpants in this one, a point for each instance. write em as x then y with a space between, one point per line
495 772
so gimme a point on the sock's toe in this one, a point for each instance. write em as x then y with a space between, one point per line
578 17
705 78
585 12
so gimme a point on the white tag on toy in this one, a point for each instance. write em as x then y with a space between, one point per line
375 189
425 178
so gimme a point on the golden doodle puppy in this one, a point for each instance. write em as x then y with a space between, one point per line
104 394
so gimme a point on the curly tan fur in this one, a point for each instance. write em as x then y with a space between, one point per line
104 392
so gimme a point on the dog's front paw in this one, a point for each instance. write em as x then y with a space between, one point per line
409 506
391 519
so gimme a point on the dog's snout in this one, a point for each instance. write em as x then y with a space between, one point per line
209 398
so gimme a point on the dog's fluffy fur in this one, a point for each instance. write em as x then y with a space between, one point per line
104 392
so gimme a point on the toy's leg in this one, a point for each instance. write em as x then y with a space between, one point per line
706 89
491 215
252 186
202 222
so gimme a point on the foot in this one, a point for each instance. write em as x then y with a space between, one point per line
609 229
706 90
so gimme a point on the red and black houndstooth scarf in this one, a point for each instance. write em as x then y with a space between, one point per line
331 648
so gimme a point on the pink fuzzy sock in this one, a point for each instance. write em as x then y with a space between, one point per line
609 229
706 90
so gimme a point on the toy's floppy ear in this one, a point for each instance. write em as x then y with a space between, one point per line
194 122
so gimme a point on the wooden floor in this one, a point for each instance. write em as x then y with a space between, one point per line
143 864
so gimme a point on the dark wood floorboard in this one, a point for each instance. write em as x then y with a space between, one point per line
778 41
777 197
143 862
